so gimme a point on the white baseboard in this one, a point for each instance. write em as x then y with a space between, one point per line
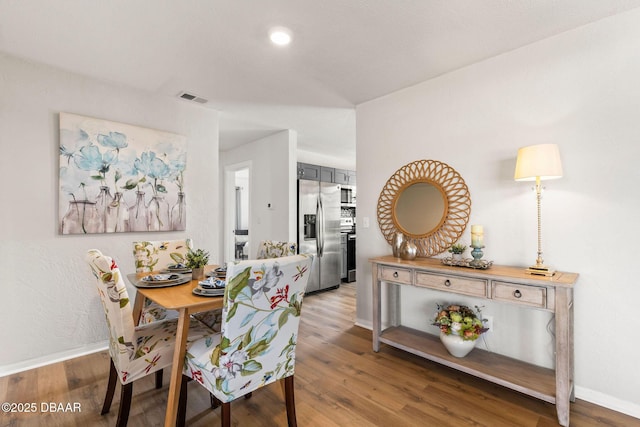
609 402
595 397
364 324
52 358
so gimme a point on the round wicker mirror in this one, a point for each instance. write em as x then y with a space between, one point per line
428 202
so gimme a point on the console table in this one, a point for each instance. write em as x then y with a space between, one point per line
502 284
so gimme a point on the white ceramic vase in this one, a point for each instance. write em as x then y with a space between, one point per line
455 345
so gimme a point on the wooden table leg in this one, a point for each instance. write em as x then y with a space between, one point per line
564 362
182 333
137 308
394 305
377 308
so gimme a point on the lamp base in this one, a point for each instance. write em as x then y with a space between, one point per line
541 270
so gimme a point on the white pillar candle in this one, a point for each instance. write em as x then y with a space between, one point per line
477 229
477 236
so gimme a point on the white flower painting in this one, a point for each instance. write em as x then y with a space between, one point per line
117 178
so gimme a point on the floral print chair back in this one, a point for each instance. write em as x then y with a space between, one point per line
156 256
260 319
267 249
275 249
136 351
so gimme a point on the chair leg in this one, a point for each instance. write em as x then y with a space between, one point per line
159 379
289 398
181 419
111 388
125 405
214 401
225 415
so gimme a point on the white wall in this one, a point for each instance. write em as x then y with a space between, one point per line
272 181
339 161
49 306
579 90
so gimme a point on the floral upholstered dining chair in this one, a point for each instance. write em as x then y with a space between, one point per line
158 255
155 256
136 351
275 249
267 249
260 318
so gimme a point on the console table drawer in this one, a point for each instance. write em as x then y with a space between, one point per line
459 285
398 275
533 296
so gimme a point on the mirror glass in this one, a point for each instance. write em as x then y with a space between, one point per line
420 208
428 202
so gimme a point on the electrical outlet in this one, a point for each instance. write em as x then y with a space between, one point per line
488 322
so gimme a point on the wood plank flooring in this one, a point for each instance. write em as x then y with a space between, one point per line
340 381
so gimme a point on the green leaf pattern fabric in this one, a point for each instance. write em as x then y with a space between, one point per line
260 319
158 255
275 249
267 249
155 256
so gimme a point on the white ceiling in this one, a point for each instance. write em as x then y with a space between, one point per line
344 52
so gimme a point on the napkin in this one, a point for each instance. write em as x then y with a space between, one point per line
212 283
160 277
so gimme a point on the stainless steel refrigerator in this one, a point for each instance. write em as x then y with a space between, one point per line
319 231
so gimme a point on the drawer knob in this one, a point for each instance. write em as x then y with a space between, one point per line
517 293
395 274
447 283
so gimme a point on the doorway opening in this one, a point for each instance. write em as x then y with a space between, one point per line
237 212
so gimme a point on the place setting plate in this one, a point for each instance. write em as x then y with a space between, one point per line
178 268
220 272
208 292
211 287
162 280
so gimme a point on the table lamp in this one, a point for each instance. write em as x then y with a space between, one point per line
538 163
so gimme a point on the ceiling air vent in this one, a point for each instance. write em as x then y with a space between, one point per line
194 98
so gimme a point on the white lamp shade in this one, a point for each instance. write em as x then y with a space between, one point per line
541 161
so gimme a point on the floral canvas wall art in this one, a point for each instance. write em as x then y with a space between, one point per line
117 178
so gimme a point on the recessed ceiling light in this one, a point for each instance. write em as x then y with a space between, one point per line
280 36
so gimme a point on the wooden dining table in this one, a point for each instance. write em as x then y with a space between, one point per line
182 299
